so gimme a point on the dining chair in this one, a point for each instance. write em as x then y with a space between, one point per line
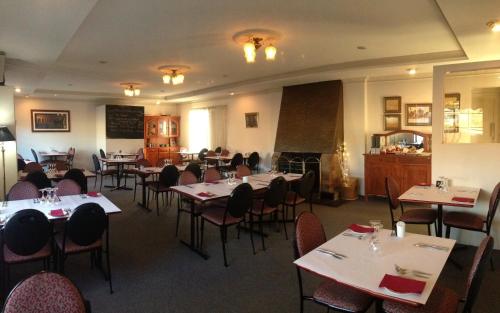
253 161
68 187
140 175
201 154
33 167
224 152
218 150
414 216
472 221
211 153
242 171
39 179
35 156
187 178
46 292
309 234
195 169
100 172
271 203
26 237
211 175
61 165
70 157
78 176
168 177
303 193
23 190
83 232
445 300
235 161
238 204
20 163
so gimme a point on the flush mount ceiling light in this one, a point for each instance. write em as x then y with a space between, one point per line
173 73
494 26
252 39
131 89
411 71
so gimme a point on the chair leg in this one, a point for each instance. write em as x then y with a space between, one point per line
284 223
222 237
100 187
448 230
95 182
429 229
202 230
157 205
178 219
108 265
310 205
261 229
135 189
251 233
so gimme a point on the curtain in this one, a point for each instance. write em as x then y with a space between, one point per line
199 129
218 126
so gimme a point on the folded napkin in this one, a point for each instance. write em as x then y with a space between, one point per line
463 199
205 194
402 285
57 212
361 229
424 184
93 194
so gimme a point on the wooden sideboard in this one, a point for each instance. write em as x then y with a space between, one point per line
161 135
407 169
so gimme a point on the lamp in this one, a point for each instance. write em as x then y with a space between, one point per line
5 135
131 89
253 39
173 73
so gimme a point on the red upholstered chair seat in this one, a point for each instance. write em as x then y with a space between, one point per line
463 220
334 294
72 247
419 216
441 300
290 198
257 208
215 215
11 257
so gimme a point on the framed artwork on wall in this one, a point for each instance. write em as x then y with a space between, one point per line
252 120
419 114
50 121
392 122
392 104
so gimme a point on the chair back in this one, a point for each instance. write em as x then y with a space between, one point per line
276 192
169 176
492 209
224 152
42 293
20 165
393 193
481 257
242 171
35 156
195 169
237 160
97 164
23 190
78 176
32 167
87 224
307 185
211 153
253 160
218 150
27 232
187 178
240 201
309 233
61 165
201 154
39 178
102 153
140 154
211 175
68 187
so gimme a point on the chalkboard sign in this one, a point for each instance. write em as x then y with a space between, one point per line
124 121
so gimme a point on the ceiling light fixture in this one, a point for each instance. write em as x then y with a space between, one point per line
253 39
173 74
412 71
494 26
18 90
131 89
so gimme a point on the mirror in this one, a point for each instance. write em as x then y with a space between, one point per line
403 139
472 107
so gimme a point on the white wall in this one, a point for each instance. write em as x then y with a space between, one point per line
7 118
240 138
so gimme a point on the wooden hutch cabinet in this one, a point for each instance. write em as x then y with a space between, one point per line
161 136
407 169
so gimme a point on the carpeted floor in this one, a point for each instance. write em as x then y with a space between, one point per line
154 272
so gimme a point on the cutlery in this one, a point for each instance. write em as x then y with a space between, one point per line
360 237
426 245
332 253
189 186
404 271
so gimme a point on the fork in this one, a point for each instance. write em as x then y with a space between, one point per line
426 245
403 271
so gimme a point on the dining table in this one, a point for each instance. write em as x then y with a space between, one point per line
349 259
454 196
119 163
201 193
67 203
56 175
52 155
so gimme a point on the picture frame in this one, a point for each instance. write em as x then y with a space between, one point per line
252 120
392 122
392 104
452 101
50 121
419 114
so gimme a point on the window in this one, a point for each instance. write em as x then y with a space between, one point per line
199 130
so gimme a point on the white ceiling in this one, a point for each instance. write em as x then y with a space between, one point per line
54 47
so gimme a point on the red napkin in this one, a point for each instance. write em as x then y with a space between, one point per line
93 194
463 199
361 229
205 194
402 285
424 184
57 212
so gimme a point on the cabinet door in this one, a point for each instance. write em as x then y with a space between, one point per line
415 174
174 127
151 125
151 154
163 127
375 179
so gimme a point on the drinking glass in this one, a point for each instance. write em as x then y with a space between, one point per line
375 246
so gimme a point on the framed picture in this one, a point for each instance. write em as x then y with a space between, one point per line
392 104
419 114
252 120
452 101
392 122
50 121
